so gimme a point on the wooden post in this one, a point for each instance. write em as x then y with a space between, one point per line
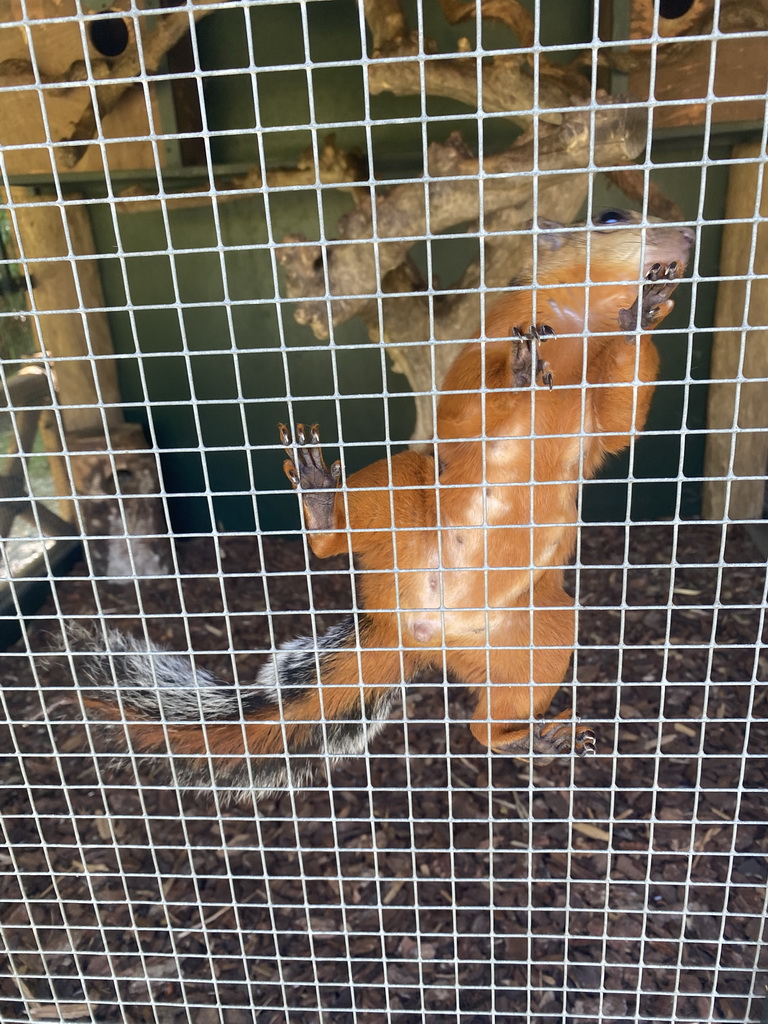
26 393
61 332
750 444
73 333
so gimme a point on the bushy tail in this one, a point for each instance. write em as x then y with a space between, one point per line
258 737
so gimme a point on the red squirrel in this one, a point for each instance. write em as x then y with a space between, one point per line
460 556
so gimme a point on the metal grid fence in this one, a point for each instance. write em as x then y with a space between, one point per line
426 880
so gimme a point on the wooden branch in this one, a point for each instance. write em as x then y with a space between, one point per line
507 79
510 12
386 23
336 166
401 211
507 84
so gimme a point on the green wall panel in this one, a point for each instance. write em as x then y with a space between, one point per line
214 371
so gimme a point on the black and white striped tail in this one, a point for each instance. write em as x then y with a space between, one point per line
130 679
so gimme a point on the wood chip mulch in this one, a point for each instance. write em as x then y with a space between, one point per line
427 883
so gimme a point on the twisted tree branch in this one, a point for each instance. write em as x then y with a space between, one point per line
401 212
511 13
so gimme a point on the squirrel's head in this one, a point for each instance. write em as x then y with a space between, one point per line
616 246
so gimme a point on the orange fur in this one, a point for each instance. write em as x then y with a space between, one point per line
460 558
488 538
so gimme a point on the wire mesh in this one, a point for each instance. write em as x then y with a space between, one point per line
425 879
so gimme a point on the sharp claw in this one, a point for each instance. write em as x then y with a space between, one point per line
285 436
545 331
336 470
544 370
671 270
300 435
587 741
654 272
517 333
314 433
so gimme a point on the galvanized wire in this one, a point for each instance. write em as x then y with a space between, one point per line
423 973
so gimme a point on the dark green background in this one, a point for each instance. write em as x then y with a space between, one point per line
236 343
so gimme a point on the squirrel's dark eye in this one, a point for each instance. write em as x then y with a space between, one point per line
612 217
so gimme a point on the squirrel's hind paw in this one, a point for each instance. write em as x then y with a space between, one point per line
548 740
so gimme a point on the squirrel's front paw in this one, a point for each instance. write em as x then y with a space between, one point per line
654 303
526 365
305 466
